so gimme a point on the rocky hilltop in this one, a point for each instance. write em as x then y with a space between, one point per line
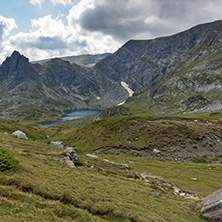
175 74
82 60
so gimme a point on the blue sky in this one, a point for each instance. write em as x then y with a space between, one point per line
42 29
22 11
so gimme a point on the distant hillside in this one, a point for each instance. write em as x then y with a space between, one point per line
82 60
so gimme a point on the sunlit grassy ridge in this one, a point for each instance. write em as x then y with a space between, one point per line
176 138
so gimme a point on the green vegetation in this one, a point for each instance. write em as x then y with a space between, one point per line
44 188
7 162
139 135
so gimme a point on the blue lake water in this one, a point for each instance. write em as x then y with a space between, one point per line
75 114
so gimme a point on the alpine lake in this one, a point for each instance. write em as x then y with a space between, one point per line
74 114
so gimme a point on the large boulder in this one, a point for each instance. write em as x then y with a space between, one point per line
20 135
212 206
71 153
57 144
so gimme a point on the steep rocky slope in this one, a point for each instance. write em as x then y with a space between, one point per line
193 82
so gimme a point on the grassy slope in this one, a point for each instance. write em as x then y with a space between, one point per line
139 135
44 188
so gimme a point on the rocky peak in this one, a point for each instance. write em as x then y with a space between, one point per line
11 64
16 67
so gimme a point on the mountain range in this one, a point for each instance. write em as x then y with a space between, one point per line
178 74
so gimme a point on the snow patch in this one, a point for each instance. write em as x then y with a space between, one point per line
126 86
130 91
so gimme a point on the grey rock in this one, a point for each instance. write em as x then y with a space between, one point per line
145 175
91 155
20 135
155 151
212 206
156 193
57 144
125 165
69 162
70 152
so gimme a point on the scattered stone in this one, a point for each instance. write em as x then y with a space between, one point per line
125 165
106 160
70 163
191 197
156 193
20 135
57 144
195 179
5 133
131 162
91 167
182 194
212 206
155 151
47 137
158 184
91 155
195 121
176 190
145 175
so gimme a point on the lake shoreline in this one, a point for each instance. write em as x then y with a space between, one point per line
73 114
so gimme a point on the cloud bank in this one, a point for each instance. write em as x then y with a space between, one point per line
97 26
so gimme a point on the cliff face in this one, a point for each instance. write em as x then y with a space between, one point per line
175 74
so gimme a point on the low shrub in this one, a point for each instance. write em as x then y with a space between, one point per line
7 162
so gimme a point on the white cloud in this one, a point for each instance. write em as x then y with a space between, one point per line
8 24
97 26
37 2
63 2
52 37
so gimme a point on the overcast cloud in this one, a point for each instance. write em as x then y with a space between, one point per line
97 26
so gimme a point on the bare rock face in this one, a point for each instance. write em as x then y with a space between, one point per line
20 135
212 206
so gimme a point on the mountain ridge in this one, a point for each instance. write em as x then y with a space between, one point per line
171 71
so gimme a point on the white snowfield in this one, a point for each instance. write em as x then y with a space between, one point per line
130 91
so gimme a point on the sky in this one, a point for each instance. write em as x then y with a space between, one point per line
42 29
